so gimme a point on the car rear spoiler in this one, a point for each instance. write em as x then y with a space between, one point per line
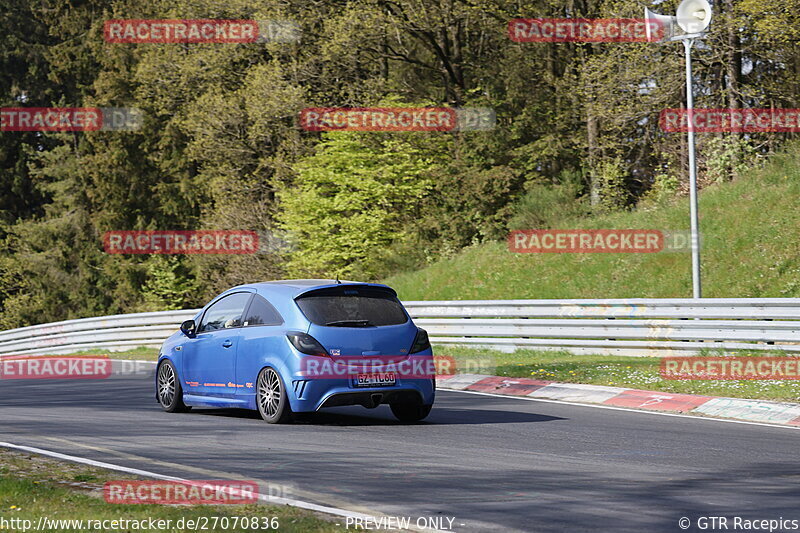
348 284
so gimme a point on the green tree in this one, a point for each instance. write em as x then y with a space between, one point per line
352 199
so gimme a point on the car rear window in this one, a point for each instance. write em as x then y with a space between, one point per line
349 306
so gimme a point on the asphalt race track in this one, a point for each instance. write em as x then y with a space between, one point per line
498 464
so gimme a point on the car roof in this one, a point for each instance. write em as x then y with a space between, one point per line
292 288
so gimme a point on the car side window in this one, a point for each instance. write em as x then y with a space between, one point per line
225 313
262 313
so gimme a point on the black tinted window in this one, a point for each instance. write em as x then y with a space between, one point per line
262 313
226 313
352 307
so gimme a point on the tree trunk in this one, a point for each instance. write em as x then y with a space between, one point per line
734 59
591 137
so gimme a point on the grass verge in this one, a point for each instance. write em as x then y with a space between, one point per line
135 354
33 486
617 371
748 250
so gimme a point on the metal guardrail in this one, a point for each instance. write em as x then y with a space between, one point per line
618 327
112 333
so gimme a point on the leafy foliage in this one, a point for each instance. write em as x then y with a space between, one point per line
220 147
352 199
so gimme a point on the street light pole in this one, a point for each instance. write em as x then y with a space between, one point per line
697 291
693 17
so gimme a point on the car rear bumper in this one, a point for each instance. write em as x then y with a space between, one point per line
374 398
315 394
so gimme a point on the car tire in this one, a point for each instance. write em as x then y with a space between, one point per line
271 397
410 412
168 389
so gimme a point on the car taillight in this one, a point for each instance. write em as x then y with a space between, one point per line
306 344
421 341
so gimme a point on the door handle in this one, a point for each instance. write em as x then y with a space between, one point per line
227 343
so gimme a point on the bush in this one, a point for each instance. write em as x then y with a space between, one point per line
726 157
547 206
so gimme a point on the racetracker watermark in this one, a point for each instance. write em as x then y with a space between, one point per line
607 241
180 492
196 31
392 367
55 367
181 242
409 367
397 119
70 119
547 30
730 120
730 368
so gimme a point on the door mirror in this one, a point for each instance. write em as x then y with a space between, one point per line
189 328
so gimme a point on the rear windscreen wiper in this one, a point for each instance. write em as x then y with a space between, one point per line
353 323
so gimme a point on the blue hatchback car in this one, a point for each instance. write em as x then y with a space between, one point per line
284 347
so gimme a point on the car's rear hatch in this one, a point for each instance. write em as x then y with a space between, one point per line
355 320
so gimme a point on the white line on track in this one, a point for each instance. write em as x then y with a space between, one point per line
144 473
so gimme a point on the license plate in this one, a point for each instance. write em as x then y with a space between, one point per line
375 380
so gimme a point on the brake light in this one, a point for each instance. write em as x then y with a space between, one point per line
305 343
421 342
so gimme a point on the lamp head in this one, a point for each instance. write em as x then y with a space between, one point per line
694 16
658 28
